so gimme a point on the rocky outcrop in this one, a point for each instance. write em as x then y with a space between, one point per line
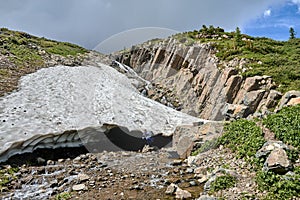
204 86
290 98
188 138
61 106
278 161
276 157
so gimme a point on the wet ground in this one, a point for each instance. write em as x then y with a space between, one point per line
107 175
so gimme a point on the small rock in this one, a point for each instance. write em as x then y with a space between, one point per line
171 188
207 197
189 170
50 162
191 160
203 179
200 170
269 146
79 187
103 165
177 162
294 101
54 183
92 183
27 179
137 187
182 194
77 159
82 178
147 149
192 183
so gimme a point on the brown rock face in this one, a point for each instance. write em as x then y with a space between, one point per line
185 138
193 74
294 101
289 98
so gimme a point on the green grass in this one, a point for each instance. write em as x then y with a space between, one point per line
23 53
286 125
6 176
63 196
24 47
207 145
279 186
61 48
245 138
279 59
222 183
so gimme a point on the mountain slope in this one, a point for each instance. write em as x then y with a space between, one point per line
215 74
263 56
21 53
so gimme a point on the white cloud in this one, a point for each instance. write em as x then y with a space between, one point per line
267 13
89 22
297 2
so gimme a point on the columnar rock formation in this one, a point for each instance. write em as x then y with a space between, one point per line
205 86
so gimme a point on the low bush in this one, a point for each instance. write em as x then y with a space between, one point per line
244 137
279 186
222 183
286 125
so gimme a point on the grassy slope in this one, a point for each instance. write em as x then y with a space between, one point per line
264 56
279 59
21 53
245 138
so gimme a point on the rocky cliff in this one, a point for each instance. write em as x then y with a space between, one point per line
198 82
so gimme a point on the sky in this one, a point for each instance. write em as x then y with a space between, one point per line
90 22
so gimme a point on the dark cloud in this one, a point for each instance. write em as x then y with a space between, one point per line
89 22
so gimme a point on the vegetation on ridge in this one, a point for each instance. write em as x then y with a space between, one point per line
286 125
223 182
264 56
245 138
21 53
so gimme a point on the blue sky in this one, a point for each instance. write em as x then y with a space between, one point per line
275 21
90 22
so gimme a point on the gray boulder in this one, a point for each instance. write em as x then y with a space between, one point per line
278 162
269 146
182 194
286 98
276 157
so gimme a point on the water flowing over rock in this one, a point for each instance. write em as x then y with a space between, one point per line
204 85
60 106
